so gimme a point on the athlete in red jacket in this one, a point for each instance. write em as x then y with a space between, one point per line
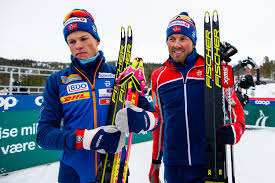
178 92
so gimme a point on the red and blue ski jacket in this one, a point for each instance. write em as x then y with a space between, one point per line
77 97
178 94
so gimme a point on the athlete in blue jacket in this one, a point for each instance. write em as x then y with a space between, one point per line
178 92
76 103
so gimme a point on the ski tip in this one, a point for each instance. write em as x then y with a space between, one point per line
207 17
206 13
215 16
129 30
122 33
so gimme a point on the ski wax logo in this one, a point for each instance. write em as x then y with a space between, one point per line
262 119
262 102
7 102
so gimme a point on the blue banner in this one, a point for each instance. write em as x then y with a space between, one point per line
20 102
262 101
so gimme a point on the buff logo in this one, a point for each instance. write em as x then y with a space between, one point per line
74 97
217 60
208 60
77 87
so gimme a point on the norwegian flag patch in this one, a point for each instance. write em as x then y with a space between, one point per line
176 29
72 26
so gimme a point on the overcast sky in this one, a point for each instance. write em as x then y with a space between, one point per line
32 29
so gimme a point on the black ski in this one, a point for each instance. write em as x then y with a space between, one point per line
105 164
214 101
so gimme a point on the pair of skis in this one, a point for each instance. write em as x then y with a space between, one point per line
132 76
126 85
106 161
216 79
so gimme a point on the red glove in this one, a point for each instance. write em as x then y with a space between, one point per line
230 133
154 171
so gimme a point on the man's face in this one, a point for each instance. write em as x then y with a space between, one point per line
179 47
82 45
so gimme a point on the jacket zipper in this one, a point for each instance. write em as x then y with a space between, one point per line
94 102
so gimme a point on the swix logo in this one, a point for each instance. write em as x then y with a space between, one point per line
77 87
262 102
74 97
7 102
177 29
226 76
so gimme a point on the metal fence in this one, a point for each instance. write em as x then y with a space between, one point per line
11 88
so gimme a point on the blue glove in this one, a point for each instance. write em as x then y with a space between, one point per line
105 139
135 119
230 133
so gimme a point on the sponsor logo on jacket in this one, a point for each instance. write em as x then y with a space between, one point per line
104 101
77 87
105 92
70 78
74 97
105 75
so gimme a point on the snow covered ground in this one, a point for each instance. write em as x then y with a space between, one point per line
254 162
263 91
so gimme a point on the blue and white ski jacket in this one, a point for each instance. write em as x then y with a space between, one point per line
77 97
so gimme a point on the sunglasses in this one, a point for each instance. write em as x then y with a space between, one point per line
78 13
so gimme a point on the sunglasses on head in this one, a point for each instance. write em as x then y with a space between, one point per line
78 13
184 17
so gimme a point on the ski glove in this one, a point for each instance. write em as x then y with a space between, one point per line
105 139
154 171
135 119
227 50
230 133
